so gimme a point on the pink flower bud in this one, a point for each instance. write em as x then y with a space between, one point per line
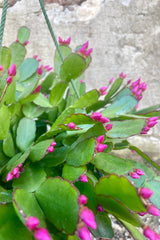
129 81
81 81
71 125
83 178
19 165
109 126
42 234
39 71
37 90
136 83
17 175
21 169
86 44
82 49
111 80
102 91
104 120
88 52
133 151
151 124
17 40
145 193
9 80
100 147
138 93
153 119
146 129
1 68
139 172
60 40
53 144
134 175
9 177
50 149
149 233
153 210
96 116
15 170
26 43
84 233
100 209
88 218
100 139
122 75
144 87
68 40
134 90
139 98
32 223
35 56
143 132
142 213
12 70
82 199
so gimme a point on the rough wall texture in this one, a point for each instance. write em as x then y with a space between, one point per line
125 35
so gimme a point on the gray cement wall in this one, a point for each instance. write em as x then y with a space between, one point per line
125 36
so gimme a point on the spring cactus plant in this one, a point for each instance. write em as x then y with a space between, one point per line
59 178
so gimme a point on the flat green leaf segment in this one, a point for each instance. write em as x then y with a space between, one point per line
5 57
104 228
31 178
127 128
58 200
72 173
10 225
4 121
122 106
133 231
57 93
116 85
121 189
25 205
65 50
25 133
27 68
18 53
118 209
23 35
112 164
82 153
72 67
79 119
5 196
8 146
155 187
87 99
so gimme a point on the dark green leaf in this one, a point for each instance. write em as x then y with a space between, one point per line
87 99
25 133
116 85
8 146
5 196
57 93
72 173
58 200
47 83
23 34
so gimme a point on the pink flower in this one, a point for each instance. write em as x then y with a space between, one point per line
86 44
71 125
153 210
12 70
139 172
9 80
50 149
100 147
32 223
53 144
149 233
39 71
102 91
134 175
96 116
9 176
42 234
37 90
100 139
64 42
83 178
111 80
122 75
82 199
88 218
145 193
109 126
100 209
84 233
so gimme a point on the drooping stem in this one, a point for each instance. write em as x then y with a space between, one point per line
50 29
55 41
3 20
3 94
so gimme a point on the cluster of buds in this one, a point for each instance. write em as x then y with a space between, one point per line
15 172
11 74
25 43
39 233
102 91
137 88
86 220
51 147
122 75
151 122
136 173
36 57
64 42
99 146
84 51
43 68
98 117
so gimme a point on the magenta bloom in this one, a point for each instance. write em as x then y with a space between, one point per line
100 139
39 71
84 233
145 193
9 80
153 210
82 199
100 147
42 234
83 178
88 218
12 70
32 223
71 125
109 126
149 233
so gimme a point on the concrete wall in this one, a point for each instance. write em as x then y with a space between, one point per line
125 36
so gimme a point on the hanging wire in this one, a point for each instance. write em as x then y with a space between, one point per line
3 20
